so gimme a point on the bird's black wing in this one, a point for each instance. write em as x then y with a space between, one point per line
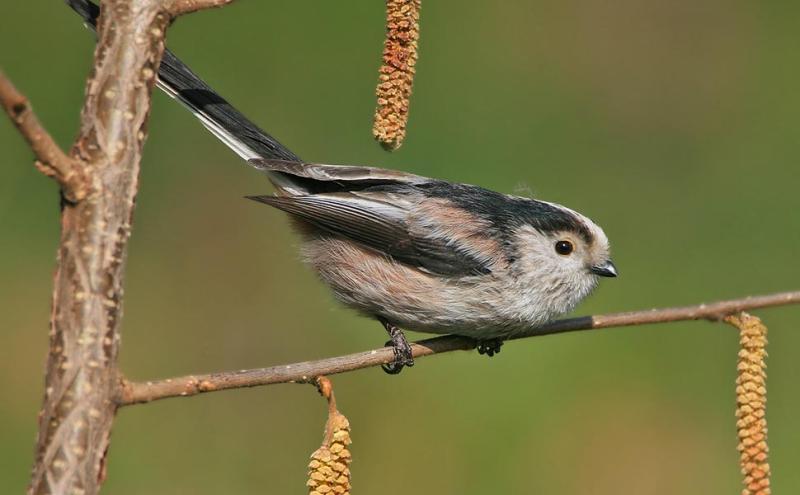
320 178
382 221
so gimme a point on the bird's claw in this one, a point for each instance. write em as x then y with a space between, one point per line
402 356
489 347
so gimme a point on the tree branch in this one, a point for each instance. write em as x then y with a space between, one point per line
140 392
50 160
181 7
82 375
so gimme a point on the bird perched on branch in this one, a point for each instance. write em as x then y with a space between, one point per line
413 252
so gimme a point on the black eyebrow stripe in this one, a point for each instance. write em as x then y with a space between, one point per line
506 213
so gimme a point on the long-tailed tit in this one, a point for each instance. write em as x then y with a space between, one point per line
413 252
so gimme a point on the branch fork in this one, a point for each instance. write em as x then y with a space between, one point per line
50 160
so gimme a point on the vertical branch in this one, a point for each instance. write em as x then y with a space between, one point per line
75 421
82 377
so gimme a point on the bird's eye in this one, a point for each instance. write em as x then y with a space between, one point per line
564 247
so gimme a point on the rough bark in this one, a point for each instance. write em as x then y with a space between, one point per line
98 189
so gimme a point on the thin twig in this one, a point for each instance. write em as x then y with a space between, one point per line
50 160
140 392
181 7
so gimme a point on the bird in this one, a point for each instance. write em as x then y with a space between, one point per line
412 252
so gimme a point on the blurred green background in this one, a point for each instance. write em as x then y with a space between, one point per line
672 124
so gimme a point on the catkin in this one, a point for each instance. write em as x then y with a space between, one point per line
329 469
397 72
751 401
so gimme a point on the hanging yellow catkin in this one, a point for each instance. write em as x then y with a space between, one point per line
397 72
329 469
751 402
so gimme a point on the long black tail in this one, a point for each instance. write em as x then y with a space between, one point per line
228 124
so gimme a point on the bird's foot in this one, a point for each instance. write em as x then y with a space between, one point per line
402 350
489 347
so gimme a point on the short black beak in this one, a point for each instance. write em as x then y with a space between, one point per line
606 269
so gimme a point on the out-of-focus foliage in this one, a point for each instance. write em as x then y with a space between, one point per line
672 124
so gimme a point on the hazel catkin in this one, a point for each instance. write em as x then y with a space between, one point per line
329 468
751 402
396 75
